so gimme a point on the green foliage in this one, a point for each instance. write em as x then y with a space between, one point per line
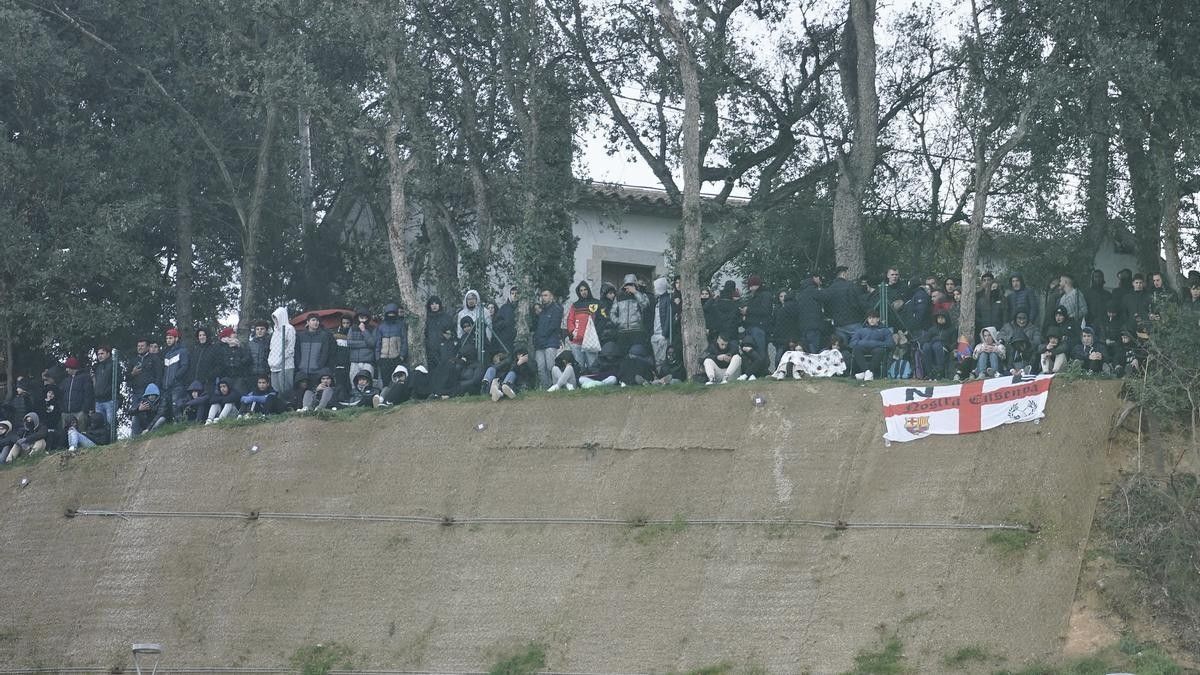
319 659
1011 541
1171 386
1154 527
887 660
649 533
968 656
525 661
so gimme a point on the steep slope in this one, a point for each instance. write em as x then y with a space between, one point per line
225 591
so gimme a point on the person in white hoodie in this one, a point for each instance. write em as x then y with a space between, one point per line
989 353
282 357
473 307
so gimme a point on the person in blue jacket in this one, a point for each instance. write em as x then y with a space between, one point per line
869 344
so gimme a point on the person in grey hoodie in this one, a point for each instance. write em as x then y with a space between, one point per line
281 358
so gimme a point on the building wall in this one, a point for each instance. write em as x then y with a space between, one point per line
631 238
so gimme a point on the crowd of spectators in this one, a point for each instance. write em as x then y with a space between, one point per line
627 336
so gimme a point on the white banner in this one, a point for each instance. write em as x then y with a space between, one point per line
916 412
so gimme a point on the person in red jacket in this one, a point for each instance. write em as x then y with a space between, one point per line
582 313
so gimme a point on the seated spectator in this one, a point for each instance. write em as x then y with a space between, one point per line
722 362
1090 355
195 406
900 365
1128 355
672 370
1021 340
150 412
320 397
30 438
1109 326
509 376
263 400
1053 352
869 344
1068 330
22 400
94 431
989 353
826 363
362 391
637 368
223 404
8 439
754 362
934 344
603 372
564 372
399 390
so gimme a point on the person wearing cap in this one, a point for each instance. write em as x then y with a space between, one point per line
176 362
78 394
628 316
1068 329
842 305
236 360
259 349
1090 354
205 360
143 368
314 347
757 317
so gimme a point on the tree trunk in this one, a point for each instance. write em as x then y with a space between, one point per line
856 166
183 241
250 227
9 373
692 317
1168 176
398 170
308 219
1147 209
1099 161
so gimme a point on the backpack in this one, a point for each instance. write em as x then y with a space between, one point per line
900 369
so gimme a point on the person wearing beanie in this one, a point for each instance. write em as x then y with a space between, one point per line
1068 328
22 400
757 316
175 365
721 313
78 394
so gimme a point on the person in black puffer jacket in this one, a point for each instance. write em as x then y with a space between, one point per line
205 361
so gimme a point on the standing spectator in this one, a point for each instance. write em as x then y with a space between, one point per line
869 344
314 348
1161 297
282 356
757 302
547 337
22 400
78 393
50 415
989 302
1137 303
942 302
1020 298
504 326
627 315
176 366
339 355
364 341
608 298
103 376
892 295
665 324
721 313
1072 299
1124 287
1097 297
472 307
235 359
259 349
437 320
722 362
915 314
390 338
841 301
149 412
143 368
809 314
205 360
1050 304
583 312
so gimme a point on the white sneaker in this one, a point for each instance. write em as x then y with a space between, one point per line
743 377
778 375
495 391
553 387
861 376
570 387
72 448
710 382
508 391
870 375
752 378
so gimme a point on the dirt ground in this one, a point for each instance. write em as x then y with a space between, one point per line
609 598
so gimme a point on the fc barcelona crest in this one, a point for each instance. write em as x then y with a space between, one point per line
916 425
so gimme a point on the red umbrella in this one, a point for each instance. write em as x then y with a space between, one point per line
330 318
